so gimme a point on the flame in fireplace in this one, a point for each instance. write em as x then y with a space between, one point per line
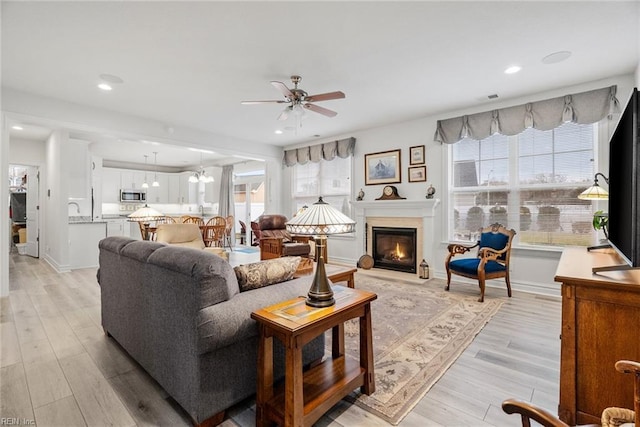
399 253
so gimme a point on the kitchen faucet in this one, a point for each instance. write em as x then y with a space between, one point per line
77 206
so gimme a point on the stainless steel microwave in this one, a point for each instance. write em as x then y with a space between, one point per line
133 196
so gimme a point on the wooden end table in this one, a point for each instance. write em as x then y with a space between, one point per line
308 395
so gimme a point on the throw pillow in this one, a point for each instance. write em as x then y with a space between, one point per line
265 273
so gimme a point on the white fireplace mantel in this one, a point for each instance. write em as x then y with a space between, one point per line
396 208
424 211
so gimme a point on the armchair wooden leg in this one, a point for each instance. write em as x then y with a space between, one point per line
446 288
506 279
482 285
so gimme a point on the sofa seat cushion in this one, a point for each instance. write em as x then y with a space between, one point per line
224 324
264 273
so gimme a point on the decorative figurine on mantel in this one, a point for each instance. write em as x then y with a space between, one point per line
360 195
430 192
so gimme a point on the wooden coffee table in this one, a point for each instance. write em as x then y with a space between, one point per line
308 395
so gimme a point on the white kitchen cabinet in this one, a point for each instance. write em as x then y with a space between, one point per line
184 185
158 194
78 161
180 190
131 180
173 188
83 243
110 185
116 227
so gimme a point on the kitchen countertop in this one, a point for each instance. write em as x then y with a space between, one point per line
85 220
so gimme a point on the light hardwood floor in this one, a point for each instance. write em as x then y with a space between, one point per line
57 368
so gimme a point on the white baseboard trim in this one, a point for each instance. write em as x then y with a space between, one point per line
60 268
547 289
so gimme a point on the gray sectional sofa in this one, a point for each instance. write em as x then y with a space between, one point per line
179 313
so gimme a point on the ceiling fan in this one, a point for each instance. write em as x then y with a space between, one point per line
299 100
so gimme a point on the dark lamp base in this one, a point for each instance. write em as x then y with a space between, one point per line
319 302
320 294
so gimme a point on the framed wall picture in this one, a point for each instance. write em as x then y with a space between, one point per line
417 173
382 168
416 155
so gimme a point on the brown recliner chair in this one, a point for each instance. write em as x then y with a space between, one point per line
276 241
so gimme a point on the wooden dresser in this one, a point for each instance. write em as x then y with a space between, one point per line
600 325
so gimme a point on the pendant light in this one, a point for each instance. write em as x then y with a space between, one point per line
144 184
155 173
200 175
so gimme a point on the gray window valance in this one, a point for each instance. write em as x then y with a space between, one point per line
584 108
327 151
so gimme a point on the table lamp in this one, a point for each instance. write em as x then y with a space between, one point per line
320 220
595 192
145 215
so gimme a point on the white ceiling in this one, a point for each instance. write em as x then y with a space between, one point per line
190 64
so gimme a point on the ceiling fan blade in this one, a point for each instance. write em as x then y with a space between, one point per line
280 87
285 114
263 102
324 96
321 110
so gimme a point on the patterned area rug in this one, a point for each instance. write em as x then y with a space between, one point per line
419 330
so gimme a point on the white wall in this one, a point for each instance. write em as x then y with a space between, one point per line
27 152
56 236
4 207
532 269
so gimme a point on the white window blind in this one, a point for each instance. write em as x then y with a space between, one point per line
529 182
329 179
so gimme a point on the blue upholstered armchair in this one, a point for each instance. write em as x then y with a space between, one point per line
492 262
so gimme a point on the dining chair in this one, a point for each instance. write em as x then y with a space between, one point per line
214 231
193 220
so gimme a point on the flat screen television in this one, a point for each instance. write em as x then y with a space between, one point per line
624 186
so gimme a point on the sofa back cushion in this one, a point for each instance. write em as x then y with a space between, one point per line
213 275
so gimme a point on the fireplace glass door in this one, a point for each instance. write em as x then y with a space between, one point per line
394 248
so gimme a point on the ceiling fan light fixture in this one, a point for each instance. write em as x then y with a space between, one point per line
299 100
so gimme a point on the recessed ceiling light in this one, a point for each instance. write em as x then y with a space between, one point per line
278 132
110 78
16 127
512 69
105 86
556 57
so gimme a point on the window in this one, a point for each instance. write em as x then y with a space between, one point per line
529 182
329 179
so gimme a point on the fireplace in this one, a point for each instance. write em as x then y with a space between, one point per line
394 248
